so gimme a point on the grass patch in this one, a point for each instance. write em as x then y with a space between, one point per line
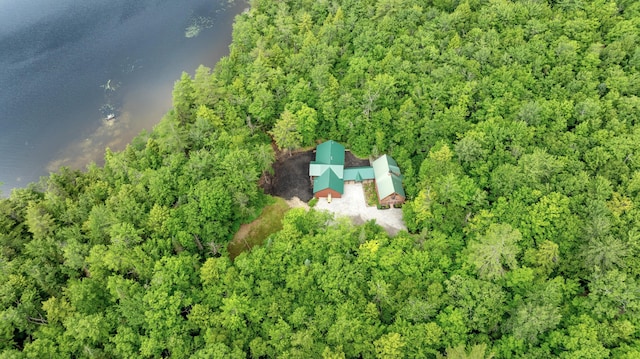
254 233
370 194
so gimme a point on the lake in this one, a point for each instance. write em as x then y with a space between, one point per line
68 65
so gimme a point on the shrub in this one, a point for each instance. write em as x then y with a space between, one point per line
370 194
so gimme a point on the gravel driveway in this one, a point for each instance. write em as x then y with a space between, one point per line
353 205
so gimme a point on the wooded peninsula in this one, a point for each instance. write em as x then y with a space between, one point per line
516 124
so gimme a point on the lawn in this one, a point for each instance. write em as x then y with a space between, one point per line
252 234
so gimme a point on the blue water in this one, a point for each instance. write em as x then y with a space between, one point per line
57 57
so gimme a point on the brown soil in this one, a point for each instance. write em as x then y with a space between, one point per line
291 177
243 231
350 160
291 174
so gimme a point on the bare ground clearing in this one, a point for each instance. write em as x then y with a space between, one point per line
252 234
291 175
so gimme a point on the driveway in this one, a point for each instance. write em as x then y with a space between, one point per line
353 205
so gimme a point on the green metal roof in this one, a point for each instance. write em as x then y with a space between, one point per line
385 164
329 172
358 174
388 177
330 153
388 185
317 169
328 180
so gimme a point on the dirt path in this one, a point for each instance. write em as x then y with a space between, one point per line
296 202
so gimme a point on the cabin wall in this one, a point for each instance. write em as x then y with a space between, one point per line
392 199
325 193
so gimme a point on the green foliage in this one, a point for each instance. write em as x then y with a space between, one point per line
496 251
371 195
475 352
515 124
285 132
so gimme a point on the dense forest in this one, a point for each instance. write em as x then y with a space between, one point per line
517 127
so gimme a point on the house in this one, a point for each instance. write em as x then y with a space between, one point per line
388 181
327 171
328 175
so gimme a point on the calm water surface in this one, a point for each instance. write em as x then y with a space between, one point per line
65 65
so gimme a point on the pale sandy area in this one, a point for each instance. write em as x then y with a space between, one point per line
296 202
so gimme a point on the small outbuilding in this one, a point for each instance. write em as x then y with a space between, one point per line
388 181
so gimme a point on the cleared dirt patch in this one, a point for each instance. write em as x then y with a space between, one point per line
350 160
295 202
291 175
252 234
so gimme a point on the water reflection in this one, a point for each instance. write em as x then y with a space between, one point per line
142 107
66 65
110 133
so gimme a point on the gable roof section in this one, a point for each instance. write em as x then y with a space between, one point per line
388 185
328 180
385 164
358 174
329 172
330 153
388 177
317 169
